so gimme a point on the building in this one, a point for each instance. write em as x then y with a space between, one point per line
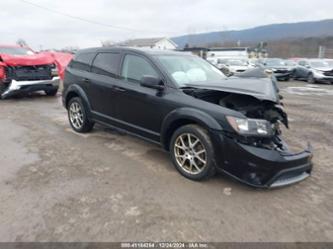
155 43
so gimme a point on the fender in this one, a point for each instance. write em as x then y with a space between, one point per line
74 88
188 114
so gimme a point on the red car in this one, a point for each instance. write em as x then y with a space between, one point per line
24 71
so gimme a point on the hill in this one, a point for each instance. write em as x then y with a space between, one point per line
271 32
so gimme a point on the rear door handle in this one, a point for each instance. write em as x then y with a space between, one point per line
85 80
119 89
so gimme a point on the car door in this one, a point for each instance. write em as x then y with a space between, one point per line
141 109
104 74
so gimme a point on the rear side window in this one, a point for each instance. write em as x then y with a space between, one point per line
106 64
135 67
82 61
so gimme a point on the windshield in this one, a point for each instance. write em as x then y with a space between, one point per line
274 63
15 51
290 63
318 64
190 69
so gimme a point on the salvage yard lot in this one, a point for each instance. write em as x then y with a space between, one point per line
56 185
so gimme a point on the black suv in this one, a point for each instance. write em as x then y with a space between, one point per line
207 122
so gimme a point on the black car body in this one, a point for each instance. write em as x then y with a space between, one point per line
133 90
281 70
314 71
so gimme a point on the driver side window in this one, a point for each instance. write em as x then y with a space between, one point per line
135 67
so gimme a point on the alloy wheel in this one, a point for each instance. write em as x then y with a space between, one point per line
76 115
190 153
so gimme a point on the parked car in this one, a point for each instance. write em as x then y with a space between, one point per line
329 62
206 121
22 71
291 65
278 66
232 66
314 71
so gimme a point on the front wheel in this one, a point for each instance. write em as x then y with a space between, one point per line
311 79
192 152
52 92
77 116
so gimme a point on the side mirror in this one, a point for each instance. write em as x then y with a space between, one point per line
152 82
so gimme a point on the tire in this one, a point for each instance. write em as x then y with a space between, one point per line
186 162
311 79
52 92
77 116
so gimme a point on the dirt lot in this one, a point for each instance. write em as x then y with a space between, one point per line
56 185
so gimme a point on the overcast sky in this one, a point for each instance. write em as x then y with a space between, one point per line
126 19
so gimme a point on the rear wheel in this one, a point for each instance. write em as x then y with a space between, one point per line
192 152
77 116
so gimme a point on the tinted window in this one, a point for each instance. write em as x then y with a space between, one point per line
106 64
135 67
82 61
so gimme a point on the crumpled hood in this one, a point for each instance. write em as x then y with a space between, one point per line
28 60
260 88
60 59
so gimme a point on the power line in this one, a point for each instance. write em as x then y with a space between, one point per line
77 17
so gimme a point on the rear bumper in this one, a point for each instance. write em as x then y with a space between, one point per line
17 87
263 168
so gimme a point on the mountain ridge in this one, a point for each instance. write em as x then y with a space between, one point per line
270 32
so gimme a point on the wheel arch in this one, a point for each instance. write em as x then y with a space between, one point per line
185 116
76 91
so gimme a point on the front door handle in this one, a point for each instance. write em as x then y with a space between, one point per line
85 80
119 89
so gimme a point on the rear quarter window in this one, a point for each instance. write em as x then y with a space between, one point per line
82 61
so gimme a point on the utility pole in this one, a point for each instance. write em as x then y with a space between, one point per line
321 53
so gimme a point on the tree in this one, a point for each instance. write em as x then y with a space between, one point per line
21 42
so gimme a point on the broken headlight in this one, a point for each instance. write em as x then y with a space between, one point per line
251 127
54 70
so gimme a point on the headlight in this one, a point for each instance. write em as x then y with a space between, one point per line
54 70
245 126
318 72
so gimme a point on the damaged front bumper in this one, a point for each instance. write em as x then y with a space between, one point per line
18 87
260 167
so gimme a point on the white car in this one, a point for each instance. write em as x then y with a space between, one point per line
233 66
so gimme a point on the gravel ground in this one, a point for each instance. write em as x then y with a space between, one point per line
56 185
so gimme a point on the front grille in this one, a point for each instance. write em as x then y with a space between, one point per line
329 73
20 73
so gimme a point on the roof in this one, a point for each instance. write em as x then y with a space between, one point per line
144 42
148 51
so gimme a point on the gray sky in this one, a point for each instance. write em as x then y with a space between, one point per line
138 18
